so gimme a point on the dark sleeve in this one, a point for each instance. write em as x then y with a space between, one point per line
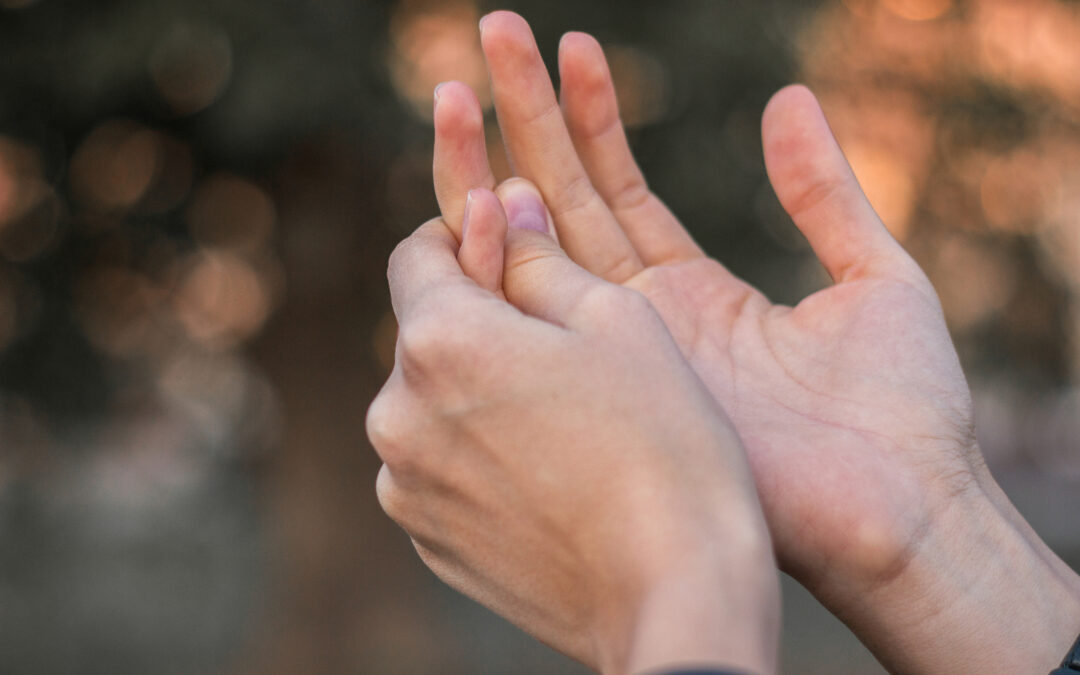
1071 664
700 671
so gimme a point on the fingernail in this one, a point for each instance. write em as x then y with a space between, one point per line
465 218
437 88
525 210
482 20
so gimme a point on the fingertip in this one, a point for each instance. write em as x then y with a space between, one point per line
792 118
816 186
581 59
792 95
518 75
588 93
578 42
484 214
504 30
796 137
525 207
457 110
460 160
483 238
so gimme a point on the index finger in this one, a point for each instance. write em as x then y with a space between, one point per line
460 158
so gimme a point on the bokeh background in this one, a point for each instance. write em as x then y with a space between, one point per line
197 200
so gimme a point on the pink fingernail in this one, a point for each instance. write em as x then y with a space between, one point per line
525 211
482 20
465 218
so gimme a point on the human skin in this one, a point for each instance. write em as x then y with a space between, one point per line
557 459
852 405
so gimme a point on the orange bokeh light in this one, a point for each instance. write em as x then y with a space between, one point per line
918 10
434 42
222 300
231 212
191 66
115 165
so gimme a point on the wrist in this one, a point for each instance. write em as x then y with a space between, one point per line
717 609
979 591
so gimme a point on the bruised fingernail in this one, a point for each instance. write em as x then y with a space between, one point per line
525 210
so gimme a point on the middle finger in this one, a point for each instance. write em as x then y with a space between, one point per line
541 150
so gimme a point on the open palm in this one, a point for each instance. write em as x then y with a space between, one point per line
848 404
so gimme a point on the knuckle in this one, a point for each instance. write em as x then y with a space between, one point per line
395 256
380 426
632 195
598 302
612 300
427 340
537 250
615 306
393 435
404 249
621 267
543 116
390 496
816 193
438 337
400 251
639 311
406 463
597 121
576 194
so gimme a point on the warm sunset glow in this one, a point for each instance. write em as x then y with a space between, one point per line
1019 191
1031 45
963 123
888 185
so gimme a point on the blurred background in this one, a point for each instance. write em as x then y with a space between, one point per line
197 200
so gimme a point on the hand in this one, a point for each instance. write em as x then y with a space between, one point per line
852 405
564 466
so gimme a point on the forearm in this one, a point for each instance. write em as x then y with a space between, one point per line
980 593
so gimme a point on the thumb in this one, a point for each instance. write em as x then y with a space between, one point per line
539 278
483 231
818 189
